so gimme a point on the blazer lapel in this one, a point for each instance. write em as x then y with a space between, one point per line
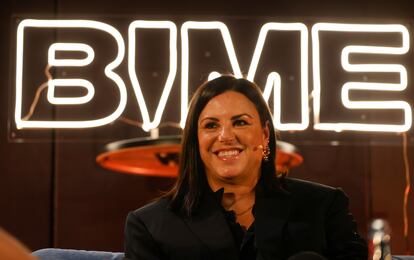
210 226
271 215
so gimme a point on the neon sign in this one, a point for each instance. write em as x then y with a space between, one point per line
147 124
273 82
348 86
81 24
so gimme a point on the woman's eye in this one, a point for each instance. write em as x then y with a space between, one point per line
240 122
210 125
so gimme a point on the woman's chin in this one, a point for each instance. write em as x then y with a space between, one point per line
230 175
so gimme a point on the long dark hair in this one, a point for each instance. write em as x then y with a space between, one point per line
192 180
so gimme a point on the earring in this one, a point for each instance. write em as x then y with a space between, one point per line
266 152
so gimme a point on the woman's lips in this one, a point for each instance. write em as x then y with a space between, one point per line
228 154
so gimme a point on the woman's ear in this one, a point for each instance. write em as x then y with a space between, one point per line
266 132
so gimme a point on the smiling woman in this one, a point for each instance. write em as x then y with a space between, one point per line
228 201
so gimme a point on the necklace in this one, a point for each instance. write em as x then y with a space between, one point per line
244 211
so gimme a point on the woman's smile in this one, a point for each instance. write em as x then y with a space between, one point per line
228 154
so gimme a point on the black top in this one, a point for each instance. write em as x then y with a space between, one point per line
244 239
304 217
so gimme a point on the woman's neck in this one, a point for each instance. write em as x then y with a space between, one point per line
239 189
237 195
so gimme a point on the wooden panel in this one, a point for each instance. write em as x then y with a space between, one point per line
388 184
25 167
93 203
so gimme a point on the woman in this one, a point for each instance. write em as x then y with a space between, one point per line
228 202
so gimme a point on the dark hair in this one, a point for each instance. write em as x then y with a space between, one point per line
191 180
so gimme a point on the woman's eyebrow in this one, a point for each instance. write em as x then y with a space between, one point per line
232 118
209 118
240 115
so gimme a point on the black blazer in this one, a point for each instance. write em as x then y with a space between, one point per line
305 217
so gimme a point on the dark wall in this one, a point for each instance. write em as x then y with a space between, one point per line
53 194
26 168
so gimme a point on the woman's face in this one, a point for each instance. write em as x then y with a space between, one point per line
231 138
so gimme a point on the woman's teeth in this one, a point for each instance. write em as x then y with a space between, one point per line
228 153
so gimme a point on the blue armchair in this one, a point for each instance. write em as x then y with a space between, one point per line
72 254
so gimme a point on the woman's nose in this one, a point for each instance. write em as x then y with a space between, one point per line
226 133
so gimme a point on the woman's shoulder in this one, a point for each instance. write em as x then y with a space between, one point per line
306 194
153 209
293 183
310 189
